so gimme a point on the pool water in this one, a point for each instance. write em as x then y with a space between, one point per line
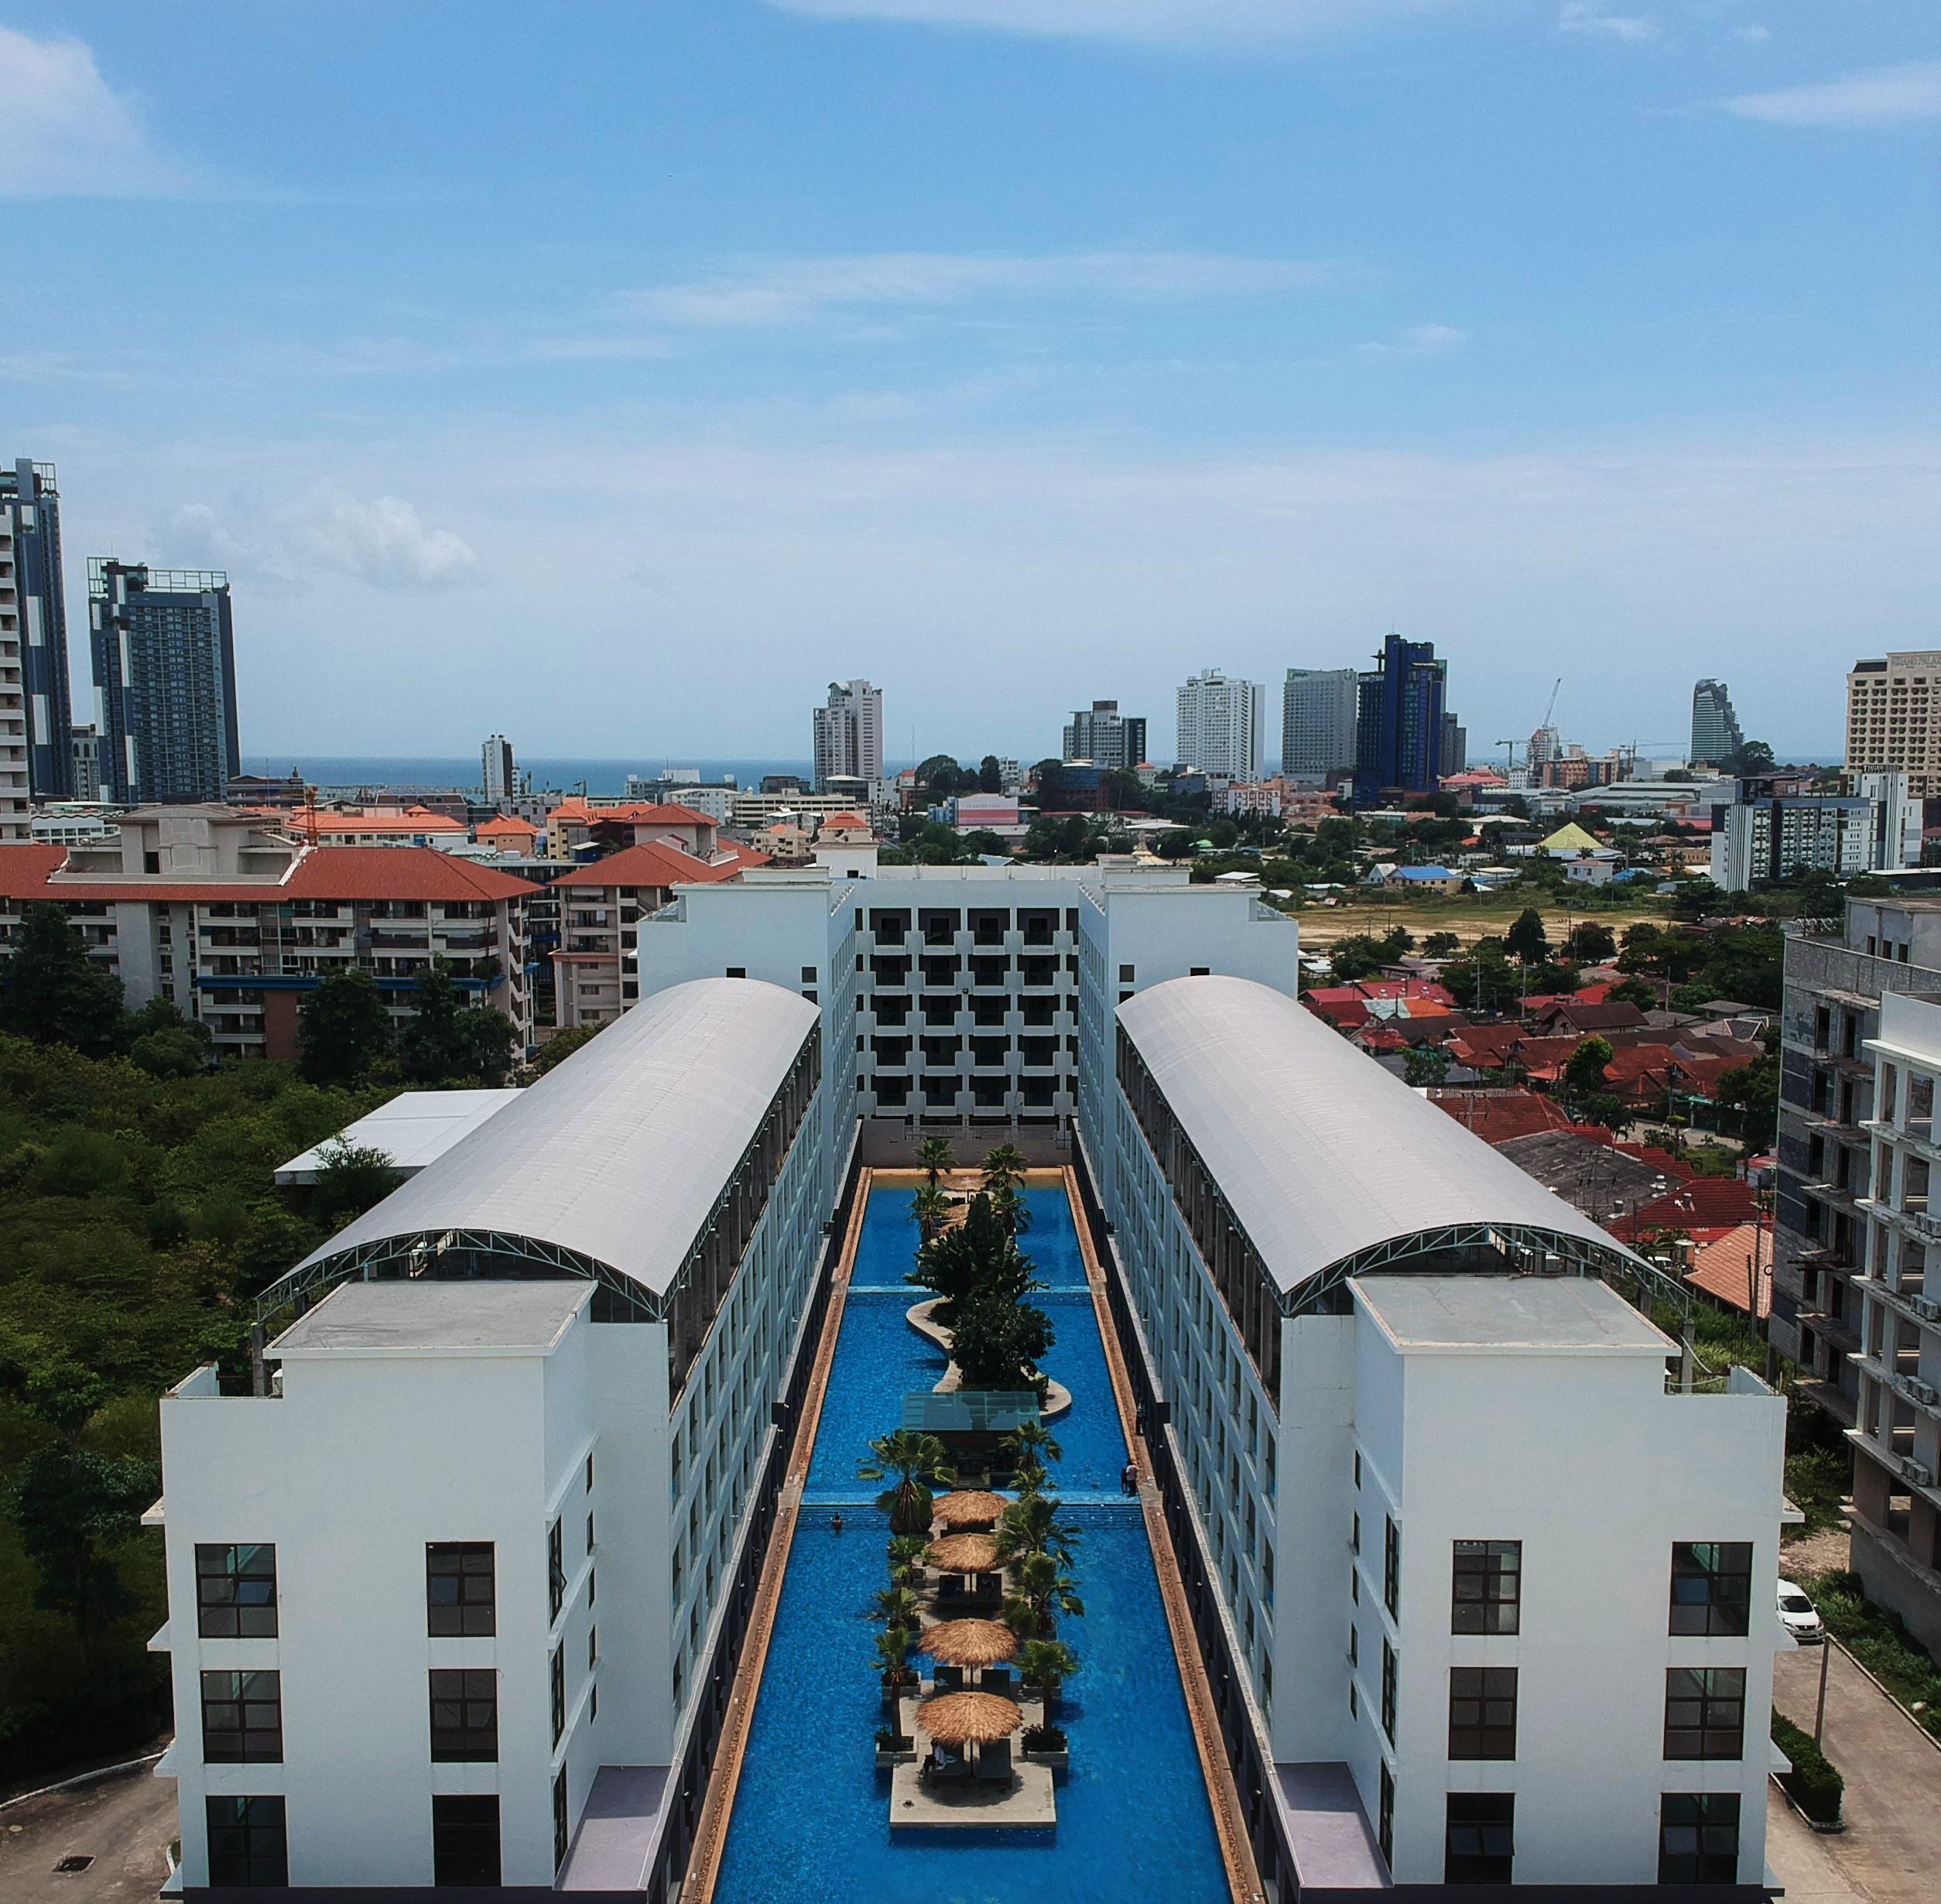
811 1819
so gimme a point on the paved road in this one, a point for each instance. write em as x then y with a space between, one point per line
125 1824
1891 1850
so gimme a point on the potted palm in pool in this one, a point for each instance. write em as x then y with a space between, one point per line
893 1646
912 1461
1043 1667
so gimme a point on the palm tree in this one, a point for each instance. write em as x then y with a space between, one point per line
1031 1525
1043 1590
906 1553
928 1206
1011 1210
934 1158
1032 1444
893 1646
1004 1167
916 1459
897 1606
1044 1663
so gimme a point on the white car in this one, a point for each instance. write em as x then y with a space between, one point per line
1797 1615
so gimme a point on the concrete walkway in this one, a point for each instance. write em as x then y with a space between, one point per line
1890 1851
123 1823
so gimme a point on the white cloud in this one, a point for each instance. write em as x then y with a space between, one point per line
1584 19
1885 95
1753 35
787 291
1417 341
1201 21
294 547
64 133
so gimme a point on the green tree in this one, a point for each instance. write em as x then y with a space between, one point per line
1046 1664
929 1206
51 993
179 1051
980 841
1526 938
1485 981
350 1179
978 1257
1424 1065
1634 991
561 1045
991 777
1748 760
918 1462
448 1042
1043 1590
1034 1525
1584 1070
997 1341
342 1030
1752 1090
1592 942
934 1158
1004 1167
1031 1445
1441 945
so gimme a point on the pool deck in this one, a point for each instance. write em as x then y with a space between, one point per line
1024 1802
710 1833
1223 1795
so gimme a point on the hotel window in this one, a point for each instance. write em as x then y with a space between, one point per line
459 1588
1711 1586
1482 1712
248 1845
242 1718
1479 1838
555 1569
1487 1592
558 1680
1705 1712
464 1839
236 1591
559 1819
464 1717
589 1533
1391 1676
1698 1838
1385 1817
1392 1568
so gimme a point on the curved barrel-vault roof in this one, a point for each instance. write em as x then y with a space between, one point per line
613 1161
1328 1161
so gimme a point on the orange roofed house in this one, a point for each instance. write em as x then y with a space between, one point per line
596 969
236 923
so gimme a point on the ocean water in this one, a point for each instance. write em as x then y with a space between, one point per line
569 775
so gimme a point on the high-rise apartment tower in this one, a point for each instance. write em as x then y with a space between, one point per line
1105 736
1398 744
849 733
165 681
501 780
1218 725
1893 718
1716 735
1317 721
30 513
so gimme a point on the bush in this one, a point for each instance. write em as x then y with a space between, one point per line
1814 1482
1045 1739
1879 1641
1816 1786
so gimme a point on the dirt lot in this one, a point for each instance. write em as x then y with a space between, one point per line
1470 918
121 1826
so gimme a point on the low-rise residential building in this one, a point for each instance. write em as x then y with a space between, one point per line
235 923
1896 1436
394 1671
1472 1645
574 826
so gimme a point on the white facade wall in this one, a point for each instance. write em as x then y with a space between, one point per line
1582 1457
1218 725
1318 717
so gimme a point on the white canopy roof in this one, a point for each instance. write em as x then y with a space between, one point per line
620 1154
1322 1154
415 1128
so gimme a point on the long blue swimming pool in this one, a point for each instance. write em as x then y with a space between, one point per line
811 1821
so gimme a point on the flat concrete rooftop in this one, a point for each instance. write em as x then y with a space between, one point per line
463 1318
1507 1315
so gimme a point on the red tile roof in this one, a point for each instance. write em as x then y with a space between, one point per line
652 863
505 823
321 872
1706 1202
631 813
1726 1270
1496 1116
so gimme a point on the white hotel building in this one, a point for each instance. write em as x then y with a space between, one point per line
1499 1594
1482 1593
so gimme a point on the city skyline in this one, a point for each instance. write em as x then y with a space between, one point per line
825 388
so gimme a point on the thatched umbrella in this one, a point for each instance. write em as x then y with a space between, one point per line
968 1508
964 1553
969 1718
968 1643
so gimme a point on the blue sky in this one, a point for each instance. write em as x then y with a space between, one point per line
616 374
